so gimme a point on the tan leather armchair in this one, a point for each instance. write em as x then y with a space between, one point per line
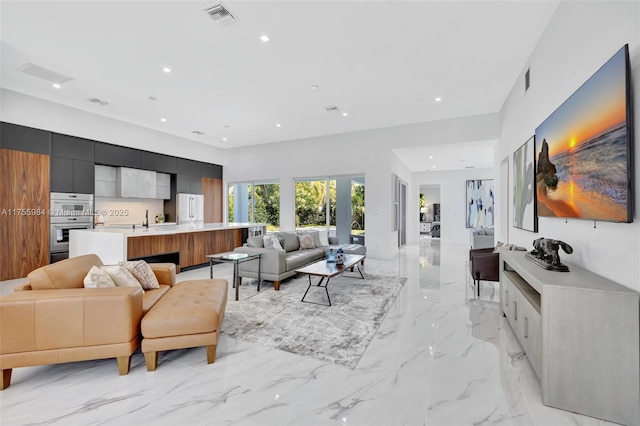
54 319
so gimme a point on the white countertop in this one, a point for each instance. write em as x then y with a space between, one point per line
168 229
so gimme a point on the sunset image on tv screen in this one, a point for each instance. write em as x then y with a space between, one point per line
582 150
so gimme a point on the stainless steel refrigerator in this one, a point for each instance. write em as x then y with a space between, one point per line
190 208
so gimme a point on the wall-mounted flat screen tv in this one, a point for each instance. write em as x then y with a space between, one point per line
585 150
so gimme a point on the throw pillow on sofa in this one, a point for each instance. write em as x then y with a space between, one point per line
306 241
143 273
272 241
502 246
121 276
256 241
97 278
323 235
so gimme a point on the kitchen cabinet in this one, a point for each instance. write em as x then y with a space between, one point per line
193 246
83 176
158 162
25 237
72 168
212 192
65 146
186 184
135 183
114 155
25 139
198 168
105 181
163 186
68 175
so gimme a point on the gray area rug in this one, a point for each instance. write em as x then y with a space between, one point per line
339 333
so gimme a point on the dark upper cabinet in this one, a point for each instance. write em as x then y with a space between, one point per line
195 185
158 162
186 167
83 176
186 184
61 170
21 138
182 184
198 168
214 171
119 156
71 147
69 175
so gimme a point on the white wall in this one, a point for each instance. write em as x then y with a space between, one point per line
28 111
367 153
453 196
579 39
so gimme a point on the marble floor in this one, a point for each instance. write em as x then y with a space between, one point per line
442 356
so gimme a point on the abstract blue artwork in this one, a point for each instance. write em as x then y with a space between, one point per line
480 203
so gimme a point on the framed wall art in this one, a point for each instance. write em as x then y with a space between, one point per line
524 198
480 203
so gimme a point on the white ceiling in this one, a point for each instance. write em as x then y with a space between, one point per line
383 62
436 158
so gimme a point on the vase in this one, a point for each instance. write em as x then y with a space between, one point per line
331 256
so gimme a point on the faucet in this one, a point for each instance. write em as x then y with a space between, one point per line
146 219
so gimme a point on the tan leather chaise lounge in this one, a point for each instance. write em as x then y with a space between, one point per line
54 319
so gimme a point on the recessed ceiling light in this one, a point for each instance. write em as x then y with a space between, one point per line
431 157
56 86
224 139
163 120
344 114
166 69
278 125
264 38
433 167
314 87
438 99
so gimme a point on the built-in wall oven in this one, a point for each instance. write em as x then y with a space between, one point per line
67 212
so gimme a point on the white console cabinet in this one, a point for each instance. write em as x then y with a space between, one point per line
581 334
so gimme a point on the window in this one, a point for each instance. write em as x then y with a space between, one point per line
255 202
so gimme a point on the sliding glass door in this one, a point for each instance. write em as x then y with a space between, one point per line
315 203
334 203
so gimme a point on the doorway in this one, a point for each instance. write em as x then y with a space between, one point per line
430 210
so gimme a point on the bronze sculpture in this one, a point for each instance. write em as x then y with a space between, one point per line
545 254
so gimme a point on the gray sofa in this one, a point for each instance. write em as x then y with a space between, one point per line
280 264
481 238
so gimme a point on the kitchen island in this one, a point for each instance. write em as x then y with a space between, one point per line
186 244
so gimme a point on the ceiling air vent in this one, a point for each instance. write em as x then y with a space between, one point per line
43 73
332 108
98 101
219 13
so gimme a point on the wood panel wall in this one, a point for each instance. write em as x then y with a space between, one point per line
24 213
213 201
193 246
